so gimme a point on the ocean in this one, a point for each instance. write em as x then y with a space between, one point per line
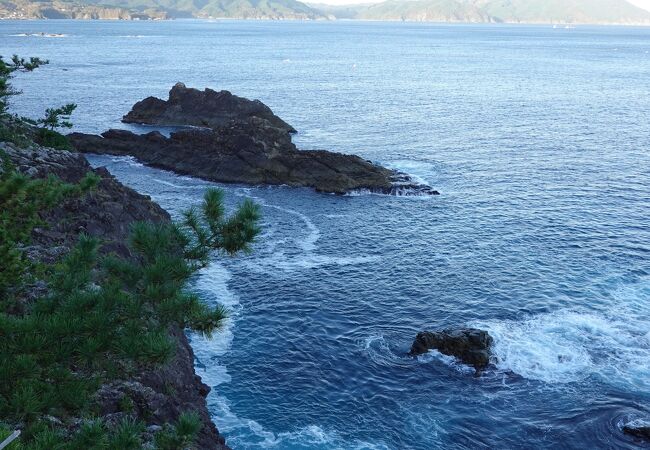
538 140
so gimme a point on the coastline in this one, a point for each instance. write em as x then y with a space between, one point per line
559 24
158 395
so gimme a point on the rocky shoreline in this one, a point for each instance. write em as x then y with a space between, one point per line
159 395
241 141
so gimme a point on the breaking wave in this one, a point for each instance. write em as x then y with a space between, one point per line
568 345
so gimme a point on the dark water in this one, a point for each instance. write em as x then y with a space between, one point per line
538 140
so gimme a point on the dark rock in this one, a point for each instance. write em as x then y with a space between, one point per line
638 428
241 141
251 152
471 346
183 390
208 108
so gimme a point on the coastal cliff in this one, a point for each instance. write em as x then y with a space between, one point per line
154 396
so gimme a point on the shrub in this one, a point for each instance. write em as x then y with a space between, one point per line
180 435
52 139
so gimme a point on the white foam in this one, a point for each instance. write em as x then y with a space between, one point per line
396 191
379 352
46 35
279 261
308 258
212 285
434 355
174 185
248 433
571 345
308 243
128 160
638 423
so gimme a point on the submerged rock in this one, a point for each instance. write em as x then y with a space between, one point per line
252 151
470 345
208 108
638 428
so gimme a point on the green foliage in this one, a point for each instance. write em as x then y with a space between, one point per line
14 133
21 201
127 435
189 425
58 117
104 316
92 435
180 435
52 139
210 230
7 68
22 130
5 432
126 404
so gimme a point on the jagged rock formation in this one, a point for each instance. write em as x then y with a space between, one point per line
208 108
160 395
470 345
251 152
245 143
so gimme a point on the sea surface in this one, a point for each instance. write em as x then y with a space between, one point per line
538 140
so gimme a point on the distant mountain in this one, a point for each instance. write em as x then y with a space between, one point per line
425 11
470 11
565 11
57 9
242 9
157 9
508 11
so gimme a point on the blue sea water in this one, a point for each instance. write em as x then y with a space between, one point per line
538 140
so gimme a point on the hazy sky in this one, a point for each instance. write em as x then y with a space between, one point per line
645 4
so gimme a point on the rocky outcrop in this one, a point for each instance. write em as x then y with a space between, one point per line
208 108
158 395
638 428
251 151
239 141
470 345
